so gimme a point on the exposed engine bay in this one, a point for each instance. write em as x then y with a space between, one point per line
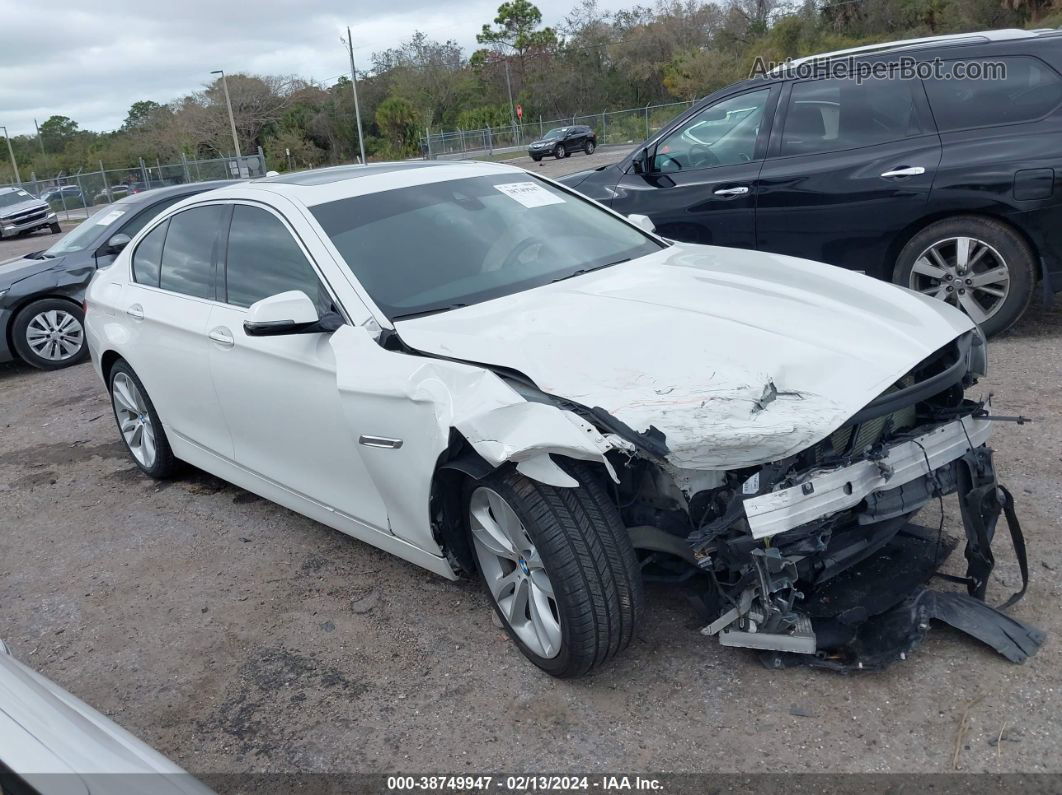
814 559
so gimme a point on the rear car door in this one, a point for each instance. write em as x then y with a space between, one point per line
279 394
167 305
697 182
850 167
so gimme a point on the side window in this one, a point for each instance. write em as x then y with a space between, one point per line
188 256
141 219
979 93
263 259
841 113
723 134
148 256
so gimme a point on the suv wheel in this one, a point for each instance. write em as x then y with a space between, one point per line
50 334
139 424
558 566
977 264
589 148
559 151
56 229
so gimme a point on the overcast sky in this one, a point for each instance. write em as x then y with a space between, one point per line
91 60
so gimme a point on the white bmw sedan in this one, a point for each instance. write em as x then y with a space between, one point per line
484 373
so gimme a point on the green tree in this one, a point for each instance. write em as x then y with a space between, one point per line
397 121
516 32
141 114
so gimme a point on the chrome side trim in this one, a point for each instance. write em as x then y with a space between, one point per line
380 441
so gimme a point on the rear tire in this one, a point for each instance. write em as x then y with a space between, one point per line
995 285
589 148
133 410
49 334
573 556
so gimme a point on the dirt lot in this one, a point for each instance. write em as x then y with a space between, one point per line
236 636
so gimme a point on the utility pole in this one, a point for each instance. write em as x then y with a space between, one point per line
354 83
11 152
40 139
232 121
509 85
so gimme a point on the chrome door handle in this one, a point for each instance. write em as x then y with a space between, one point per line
222 336
741 190
136 311
905 171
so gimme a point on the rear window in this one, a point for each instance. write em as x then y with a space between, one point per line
148 256
1029 90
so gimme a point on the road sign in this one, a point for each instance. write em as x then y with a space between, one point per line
520 112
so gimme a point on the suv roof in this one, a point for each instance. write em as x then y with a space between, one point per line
980 37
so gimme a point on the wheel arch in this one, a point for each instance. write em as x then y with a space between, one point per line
108 359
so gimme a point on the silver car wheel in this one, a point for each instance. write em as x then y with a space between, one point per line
965 272
55 335
514 573
134 420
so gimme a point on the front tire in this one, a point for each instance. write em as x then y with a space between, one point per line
559 152
980 265
56 229
558 566
49 334
139 424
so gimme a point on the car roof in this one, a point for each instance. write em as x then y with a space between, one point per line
186 189
322 185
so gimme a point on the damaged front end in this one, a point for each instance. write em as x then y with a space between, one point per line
814 559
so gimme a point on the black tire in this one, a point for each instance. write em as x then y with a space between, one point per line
1018 258
20 328
166 464
56 229
536 159
559 152
589 147
587 554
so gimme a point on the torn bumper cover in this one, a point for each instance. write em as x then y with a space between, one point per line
841 580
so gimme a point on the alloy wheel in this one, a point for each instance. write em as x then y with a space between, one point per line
965 272
134 420
514 572
559 151
55 335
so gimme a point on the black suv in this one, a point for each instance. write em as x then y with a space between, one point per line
943 174
41 317
562 141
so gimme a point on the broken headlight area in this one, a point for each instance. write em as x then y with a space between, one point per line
814 559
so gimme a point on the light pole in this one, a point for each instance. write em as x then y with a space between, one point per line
354 83
232 121
11 152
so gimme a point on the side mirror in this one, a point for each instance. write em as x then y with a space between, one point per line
643 222
641 162
285 313
117 243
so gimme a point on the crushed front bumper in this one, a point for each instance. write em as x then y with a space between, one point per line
829 491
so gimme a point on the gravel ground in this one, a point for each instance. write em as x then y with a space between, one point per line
236 636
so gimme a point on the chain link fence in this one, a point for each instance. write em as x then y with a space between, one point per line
628 126
74 195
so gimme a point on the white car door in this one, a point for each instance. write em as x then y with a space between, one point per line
279 393
167 306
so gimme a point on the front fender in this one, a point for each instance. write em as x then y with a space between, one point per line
416 401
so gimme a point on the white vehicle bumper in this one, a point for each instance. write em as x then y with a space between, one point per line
832 490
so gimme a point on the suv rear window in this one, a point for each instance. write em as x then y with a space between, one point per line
840 113
1029 90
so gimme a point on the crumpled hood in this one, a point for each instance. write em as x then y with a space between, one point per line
738 357
15 270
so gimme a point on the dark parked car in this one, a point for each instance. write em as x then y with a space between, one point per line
41 316
943 183
562 141
64 195
22 213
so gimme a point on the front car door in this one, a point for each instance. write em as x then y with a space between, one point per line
279 394
697 181
850 167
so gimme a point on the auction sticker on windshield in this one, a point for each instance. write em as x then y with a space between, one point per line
529 194
110 218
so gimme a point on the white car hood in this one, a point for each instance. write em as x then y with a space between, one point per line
738 357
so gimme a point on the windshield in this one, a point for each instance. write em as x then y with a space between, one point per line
13 197
87 233
556 132
433 247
